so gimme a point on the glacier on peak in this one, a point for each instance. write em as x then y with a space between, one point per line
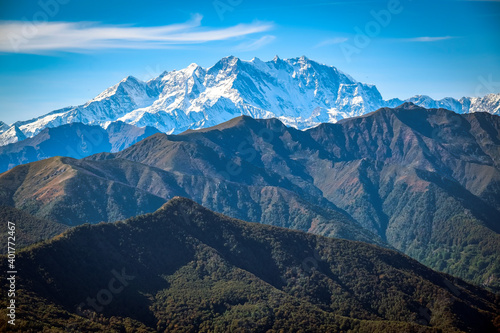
300 92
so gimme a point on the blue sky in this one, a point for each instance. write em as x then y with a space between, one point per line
55 53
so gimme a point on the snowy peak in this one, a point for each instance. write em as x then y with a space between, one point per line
227 65
489 103
11 135
299 91
3 127
130 89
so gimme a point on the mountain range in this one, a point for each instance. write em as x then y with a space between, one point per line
300 92
358 208
424 182
73 140
184 268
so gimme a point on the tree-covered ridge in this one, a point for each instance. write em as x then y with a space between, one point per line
187 269
28 229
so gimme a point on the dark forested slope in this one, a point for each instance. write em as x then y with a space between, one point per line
187 269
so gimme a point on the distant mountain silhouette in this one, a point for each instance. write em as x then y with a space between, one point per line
74 140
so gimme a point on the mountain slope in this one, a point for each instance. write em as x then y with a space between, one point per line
426 182
298 91
11 135
67 191
122 135
73 140
74 192
185 268
29 229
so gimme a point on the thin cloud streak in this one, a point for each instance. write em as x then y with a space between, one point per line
426 39
21 37
332 41
256 44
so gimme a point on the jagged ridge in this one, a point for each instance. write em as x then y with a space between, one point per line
300 92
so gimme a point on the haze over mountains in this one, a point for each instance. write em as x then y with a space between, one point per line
298 91
72 140
187 269
425 182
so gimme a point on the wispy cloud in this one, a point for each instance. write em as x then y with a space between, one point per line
332 41
22 37
425 39
256 44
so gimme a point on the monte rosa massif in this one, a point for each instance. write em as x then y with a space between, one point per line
300 92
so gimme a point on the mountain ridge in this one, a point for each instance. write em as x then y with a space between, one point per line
72 140
298 91
184 266
425 182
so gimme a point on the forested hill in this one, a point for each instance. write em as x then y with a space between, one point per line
187 269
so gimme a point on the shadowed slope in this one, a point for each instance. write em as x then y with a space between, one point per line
187 268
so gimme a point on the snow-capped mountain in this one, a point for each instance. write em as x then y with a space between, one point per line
489 103
3 127
300 92
10 135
